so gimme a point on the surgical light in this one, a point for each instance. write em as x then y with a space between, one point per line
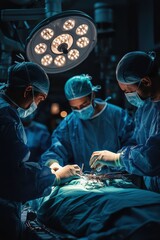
62 41
47 33
60 61
82 42
46 60
73 54
69 24
82 29
40 48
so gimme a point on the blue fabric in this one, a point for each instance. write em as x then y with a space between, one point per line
133 66
11 226
104 213
144 158
28 73
79 86
38 139
74 140
20 179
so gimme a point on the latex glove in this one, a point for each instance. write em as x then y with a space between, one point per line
55 166
100 158
67 173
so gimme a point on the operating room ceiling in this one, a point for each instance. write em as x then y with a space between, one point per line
130 18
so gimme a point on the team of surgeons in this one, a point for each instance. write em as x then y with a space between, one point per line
96 134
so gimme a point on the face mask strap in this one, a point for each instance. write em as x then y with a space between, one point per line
138 85
92 99
29 80
33 95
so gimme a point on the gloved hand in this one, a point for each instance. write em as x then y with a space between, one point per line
100 158
67 173
55 166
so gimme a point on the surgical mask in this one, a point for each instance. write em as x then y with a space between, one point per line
134 99
23 113
85 113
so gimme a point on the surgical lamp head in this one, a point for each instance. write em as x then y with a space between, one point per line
62 41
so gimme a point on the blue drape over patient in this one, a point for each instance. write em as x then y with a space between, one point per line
104 213
74 140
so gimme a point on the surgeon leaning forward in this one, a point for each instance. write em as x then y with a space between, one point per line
93 124
138 77
21 178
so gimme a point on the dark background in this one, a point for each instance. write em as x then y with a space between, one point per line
134 26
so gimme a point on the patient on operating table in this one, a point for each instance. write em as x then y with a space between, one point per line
104 206
100 206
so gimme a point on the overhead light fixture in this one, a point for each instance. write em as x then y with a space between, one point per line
62 41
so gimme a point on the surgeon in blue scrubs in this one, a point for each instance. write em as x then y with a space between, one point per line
138 77
21 178
93 124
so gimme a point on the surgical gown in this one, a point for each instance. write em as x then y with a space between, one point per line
20 179
144 158
38 139
74 140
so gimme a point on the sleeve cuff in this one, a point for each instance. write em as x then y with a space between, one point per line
57 181
118 161
50 162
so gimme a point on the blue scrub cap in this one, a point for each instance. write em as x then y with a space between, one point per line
79 86
133 66
28 73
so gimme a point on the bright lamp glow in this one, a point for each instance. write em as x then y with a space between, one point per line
73 54
82 29
60 61
62 41
47 33
63 114
40 48
46 60
82 42
55 108
69 24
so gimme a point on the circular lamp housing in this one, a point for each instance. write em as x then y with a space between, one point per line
62 41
